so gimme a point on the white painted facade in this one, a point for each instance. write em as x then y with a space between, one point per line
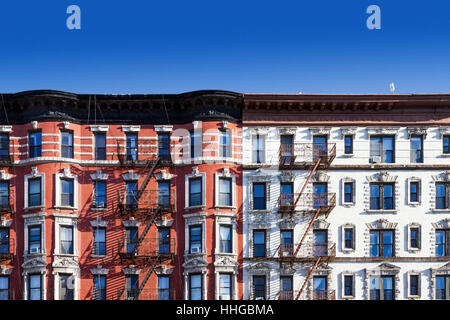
421 214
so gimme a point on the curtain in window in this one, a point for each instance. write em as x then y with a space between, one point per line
225 192
34 192
225 286
196 287
225 239
67 240
35 287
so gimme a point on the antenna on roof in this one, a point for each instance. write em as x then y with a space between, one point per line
392 87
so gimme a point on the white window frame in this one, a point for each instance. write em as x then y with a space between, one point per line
66 175
195 174
31 220
348 226
343 274
409 227
250 187
263 136
353 182
225 174
419 284
419 191
32 175
192 220
66 220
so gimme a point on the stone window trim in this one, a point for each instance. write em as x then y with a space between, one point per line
131 223
30 220
383 269
226 219
198 218
408 228
4 271
382 177
417 131
217 273
263 133
130 176
5 223
392 131
444 270
343 274
324 271
442 224
66 174
267 230
267 182
99 128
131 270
204 283
348 226
259 269
353 182
75 277
225 174
5 128
62 219
5 176
34 174
443 177
319 131
99 270
382 224
99 176
195 174
126 128
164 271
163 175
163 128
26 273
419 284
419 191
98 223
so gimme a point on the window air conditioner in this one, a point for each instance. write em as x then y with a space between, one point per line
195 250
376 159
225 297
34 250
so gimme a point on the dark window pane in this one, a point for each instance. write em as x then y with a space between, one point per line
195 192
259 196
100 146
100 194
35 144
34 192
67 144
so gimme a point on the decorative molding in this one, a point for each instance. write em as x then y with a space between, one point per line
5 271
65 261
259 267
66 124
163 175
442 224
99 128
321 224
382 176
319 131
163 128
382 131
4 175
417 131
287 131
286 176
164 271
348 131
131 128
320 176
5 223
163 222
130 223
381 224
35 264
99 223
98 175
444 131
224 124
196 124
259 175
34 124
131 270
99 270
5 128
443 177
130 176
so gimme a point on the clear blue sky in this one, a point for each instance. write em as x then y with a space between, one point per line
247 46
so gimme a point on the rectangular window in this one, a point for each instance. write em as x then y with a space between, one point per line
442 195
131 238
442 287
382 149
442 243
225 286
99 287
66 239
65 287
286 195
4 287
225 192
320 195
225 239
381 196
348 285
132 146
99 194
414 192
320 243
225 143
4 240
348 144
4 194
34 287
4 147
164 146
164 240
414 285
164 288
382 288
446 144
348 238
35 144
164 194
131 286
259 196
286 292
416 149
258 149
67 192
259 243
348 192
286 243
131 188
259 287
414 238
34 192
100 146
287 146
195 239
34 239
195 287
382 243
99 245
320 288
67 144
196 145
195 192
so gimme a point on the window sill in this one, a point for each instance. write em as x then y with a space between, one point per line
348 204
413 250
225 207
382 211
414 297
441 210
259 211
414 204
65 255
348 155
187 254
99 209
225 254
65 208
33 255
99 256
348 297
348 250
33 208
446 155
202 207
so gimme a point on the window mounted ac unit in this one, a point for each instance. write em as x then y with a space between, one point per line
376 159
286 253
259 298
195 250
225 297
34 250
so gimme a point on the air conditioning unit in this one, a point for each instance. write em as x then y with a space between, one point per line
375 159
195 250
34 250
225 297
286 253
259 298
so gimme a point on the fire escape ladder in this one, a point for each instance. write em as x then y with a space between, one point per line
313 170
307 230
144 233
147 179
308 277
147 276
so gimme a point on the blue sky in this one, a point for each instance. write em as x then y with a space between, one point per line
246 46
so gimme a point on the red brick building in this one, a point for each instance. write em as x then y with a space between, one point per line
121 196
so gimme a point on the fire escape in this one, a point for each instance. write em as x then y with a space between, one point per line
310 157
146 206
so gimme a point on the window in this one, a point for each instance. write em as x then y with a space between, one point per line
381 196
286 243
382 288
259 243
348 238
164 194
287 146
320 288
348 141
131 286
4 147
164 146
320 147
99 287
4 240
348 192
99 246
225 286
65 287
67 192
34 239
195 287
416 149
35 144
320 243
446 144
4 287
382 243
4 194
99 194
259 196
348 285
286 195
195 192
414 238
225 192
131 188
442 243
258 149
66 239
320 195
259 287
225 239
100 146
225 143
132 146
163 288
196 145
131 238
34 192
414 192
195 239
413 284
382 149
443 287
34 287
66 144
164 240
442 195
286 292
